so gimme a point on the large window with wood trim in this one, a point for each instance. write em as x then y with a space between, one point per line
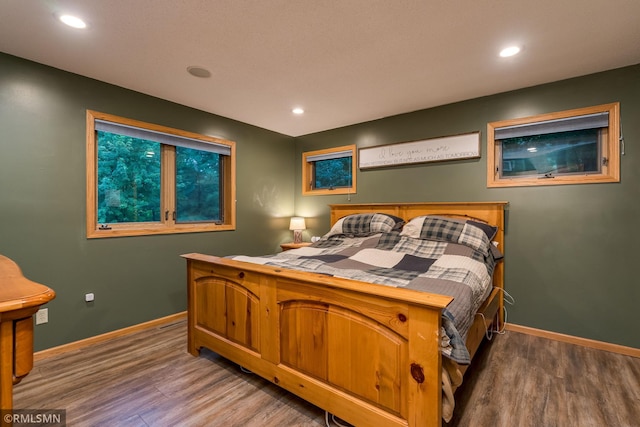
329 171
149 179
578 146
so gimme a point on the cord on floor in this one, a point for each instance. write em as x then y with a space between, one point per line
488 333
331 420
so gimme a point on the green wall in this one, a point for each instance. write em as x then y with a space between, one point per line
571 251
42 202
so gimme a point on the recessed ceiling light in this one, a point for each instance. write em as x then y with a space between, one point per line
509 51
198 72
73 21
297 111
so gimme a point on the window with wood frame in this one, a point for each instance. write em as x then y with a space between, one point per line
329 171
149 179
578 146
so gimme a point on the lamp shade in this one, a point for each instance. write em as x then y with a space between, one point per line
297 223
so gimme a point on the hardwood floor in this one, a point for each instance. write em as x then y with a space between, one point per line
147 378
523 380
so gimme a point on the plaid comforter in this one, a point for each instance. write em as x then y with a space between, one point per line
448 266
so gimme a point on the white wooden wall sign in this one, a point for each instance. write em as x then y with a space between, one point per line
456 147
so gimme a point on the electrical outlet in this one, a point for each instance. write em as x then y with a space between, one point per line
42 316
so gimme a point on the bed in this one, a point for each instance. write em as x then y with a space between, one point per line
371 353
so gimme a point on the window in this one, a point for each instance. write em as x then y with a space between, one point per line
329 171
149 179
569 147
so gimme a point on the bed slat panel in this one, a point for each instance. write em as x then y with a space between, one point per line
229 310
345 349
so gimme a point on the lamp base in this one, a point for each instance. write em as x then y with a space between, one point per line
297 236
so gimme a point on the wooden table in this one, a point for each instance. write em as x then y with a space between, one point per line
20 298
291 245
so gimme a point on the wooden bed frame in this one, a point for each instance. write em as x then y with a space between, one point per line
367 353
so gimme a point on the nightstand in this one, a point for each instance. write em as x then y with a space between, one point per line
287 246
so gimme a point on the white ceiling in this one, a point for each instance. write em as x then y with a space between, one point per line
343 61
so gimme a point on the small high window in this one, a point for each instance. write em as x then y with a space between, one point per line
149 179
569 147
329 171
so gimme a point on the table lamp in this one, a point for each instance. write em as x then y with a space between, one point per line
297 225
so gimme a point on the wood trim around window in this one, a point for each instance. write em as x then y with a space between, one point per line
307 172
164 226
610 144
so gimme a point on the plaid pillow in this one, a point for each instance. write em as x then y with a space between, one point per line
452 230
359 225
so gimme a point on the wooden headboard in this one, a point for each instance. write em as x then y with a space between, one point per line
489 212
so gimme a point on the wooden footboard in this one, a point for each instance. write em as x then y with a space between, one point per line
367 353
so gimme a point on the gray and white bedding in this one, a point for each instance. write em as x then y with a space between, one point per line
432 254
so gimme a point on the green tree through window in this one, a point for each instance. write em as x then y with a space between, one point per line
150 179
329 171
128 179
333 173
197 185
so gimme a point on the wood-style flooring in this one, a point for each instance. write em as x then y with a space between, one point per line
523 380
147 378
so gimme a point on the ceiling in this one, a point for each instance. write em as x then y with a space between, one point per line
343 61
